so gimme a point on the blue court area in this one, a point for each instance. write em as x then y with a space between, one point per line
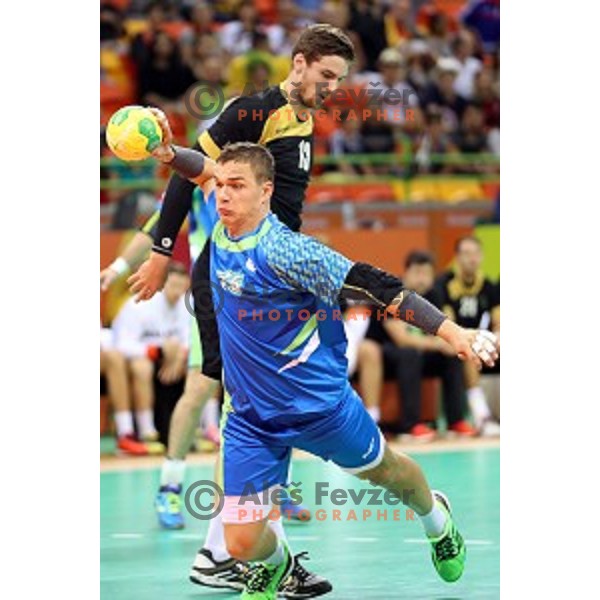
364 559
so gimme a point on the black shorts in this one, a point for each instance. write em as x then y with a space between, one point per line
204 310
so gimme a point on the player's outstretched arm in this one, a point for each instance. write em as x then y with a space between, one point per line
367 283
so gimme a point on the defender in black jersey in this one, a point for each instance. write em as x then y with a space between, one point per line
280 119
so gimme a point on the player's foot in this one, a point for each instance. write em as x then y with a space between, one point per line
128 444
264 579
168 507
489 429
420 434
229 573
462 429
302 583
448 551
294 512
152 444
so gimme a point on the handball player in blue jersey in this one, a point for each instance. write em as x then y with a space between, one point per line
277 295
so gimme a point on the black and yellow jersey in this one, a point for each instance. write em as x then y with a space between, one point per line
268 118
466 304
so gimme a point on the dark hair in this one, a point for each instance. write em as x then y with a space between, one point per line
418 257
258 157
177 267
324 40
465 238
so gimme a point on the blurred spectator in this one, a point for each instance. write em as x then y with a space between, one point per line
487 95
409 355
471 136
397 95
346 140
435 140
441 92
436 30
366 20
420 65
113 367
398 23
473 301
201 28
283 35
163 76
463 47
484 17
378 137
153 336
256 69
156 19
237 36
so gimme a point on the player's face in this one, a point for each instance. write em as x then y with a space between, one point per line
319 79
419 278
175 287
469 258
241 200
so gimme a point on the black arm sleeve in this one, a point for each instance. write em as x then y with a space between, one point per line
175 207
374 286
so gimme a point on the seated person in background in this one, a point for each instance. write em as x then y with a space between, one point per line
409 355
472 300
113 367
347 139
155 333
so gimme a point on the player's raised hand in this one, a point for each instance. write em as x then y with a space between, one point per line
164 152
471 345
149 278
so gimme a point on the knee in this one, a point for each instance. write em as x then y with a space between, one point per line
115 359
369 352
240 542
142 368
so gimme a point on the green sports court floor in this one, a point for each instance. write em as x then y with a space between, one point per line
363 559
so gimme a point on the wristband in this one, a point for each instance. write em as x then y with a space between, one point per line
415 310
188 163
120 266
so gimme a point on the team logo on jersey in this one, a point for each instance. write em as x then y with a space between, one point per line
250 265
231 281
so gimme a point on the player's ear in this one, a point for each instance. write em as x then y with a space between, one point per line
267 190
299 63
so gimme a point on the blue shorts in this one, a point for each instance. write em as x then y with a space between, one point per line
254 460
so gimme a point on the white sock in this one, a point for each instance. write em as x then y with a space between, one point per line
145 422
277 527
172 472
479 406
215 539
434 522
210 414
124 423
374 412
277 557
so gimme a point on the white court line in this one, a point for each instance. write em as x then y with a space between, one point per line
127 536
303 538
362 539
186 536
471 542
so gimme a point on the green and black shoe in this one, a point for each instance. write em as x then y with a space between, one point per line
448 551
264 579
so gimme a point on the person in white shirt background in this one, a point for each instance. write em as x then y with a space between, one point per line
151 335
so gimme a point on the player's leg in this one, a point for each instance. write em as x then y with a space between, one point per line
370 375
252 469
142 375
113 366
478 404
350 438
215 567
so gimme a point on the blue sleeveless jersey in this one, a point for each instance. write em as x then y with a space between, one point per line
280 326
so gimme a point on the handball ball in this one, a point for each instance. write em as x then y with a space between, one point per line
133 133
